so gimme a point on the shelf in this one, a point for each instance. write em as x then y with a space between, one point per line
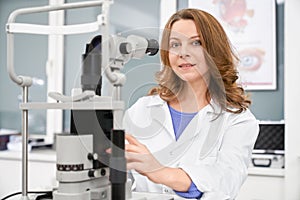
50 156
110 105
264 171
34 155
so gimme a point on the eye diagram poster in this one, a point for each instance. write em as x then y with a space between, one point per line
251 28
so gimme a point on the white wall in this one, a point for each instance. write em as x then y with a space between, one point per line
292 99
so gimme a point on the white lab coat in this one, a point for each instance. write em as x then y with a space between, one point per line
216 162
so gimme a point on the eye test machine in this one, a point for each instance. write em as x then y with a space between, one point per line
84 170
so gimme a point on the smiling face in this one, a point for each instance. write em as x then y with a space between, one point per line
207 67
186 55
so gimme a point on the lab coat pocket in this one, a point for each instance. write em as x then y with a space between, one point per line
209 158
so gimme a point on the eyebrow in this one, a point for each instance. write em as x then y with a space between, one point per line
193 37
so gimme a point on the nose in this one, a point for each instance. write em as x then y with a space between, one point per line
184 51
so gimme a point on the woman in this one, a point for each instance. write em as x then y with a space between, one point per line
193 135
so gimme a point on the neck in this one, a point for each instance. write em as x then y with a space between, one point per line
194 93
191 99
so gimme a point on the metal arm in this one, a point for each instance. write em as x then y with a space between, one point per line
12 27
67 6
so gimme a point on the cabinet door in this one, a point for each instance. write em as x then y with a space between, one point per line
41 176
262 188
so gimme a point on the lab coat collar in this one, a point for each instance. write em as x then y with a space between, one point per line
156 101
160 114
159 110
212 108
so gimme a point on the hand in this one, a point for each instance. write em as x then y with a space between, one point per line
140 159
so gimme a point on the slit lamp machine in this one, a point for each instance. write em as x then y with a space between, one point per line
84 170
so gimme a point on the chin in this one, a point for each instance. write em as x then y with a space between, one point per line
190 78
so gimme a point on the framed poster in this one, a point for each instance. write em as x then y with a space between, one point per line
251 28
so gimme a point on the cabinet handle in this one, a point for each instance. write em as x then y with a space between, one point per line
268 164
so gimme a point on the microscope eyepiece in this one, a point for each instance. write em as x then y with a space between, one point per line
125 48
153 47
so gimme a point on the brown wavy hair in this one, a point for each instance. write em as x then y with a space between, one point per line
220 57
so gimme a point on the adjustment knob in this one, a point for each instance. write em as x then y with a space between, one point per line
92 156
94 173
125 48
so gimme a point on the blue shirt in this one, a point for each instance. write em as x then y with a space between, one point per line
180 120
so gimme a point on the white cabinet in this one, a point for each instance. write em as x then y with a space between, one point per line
263 184
41 172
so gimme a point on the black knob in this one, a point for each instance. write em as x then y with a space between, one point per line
125 48
103 172
92 156
91 173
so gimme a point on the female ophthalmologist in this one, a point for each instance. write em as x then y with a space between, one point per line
193 135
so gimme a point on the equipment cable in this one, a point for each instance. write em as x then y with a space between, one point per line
47 194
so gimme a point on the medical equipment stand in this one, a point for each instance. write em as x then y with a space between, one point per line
24 81
85 100
25 145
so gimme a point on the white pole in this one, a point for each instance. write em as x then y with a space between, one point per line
55 70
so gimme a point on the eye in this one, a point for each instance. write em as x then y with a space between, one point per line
196 43
251 59
174 44
250 62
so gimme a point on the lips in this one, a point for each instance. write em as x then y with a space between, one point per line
186 65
